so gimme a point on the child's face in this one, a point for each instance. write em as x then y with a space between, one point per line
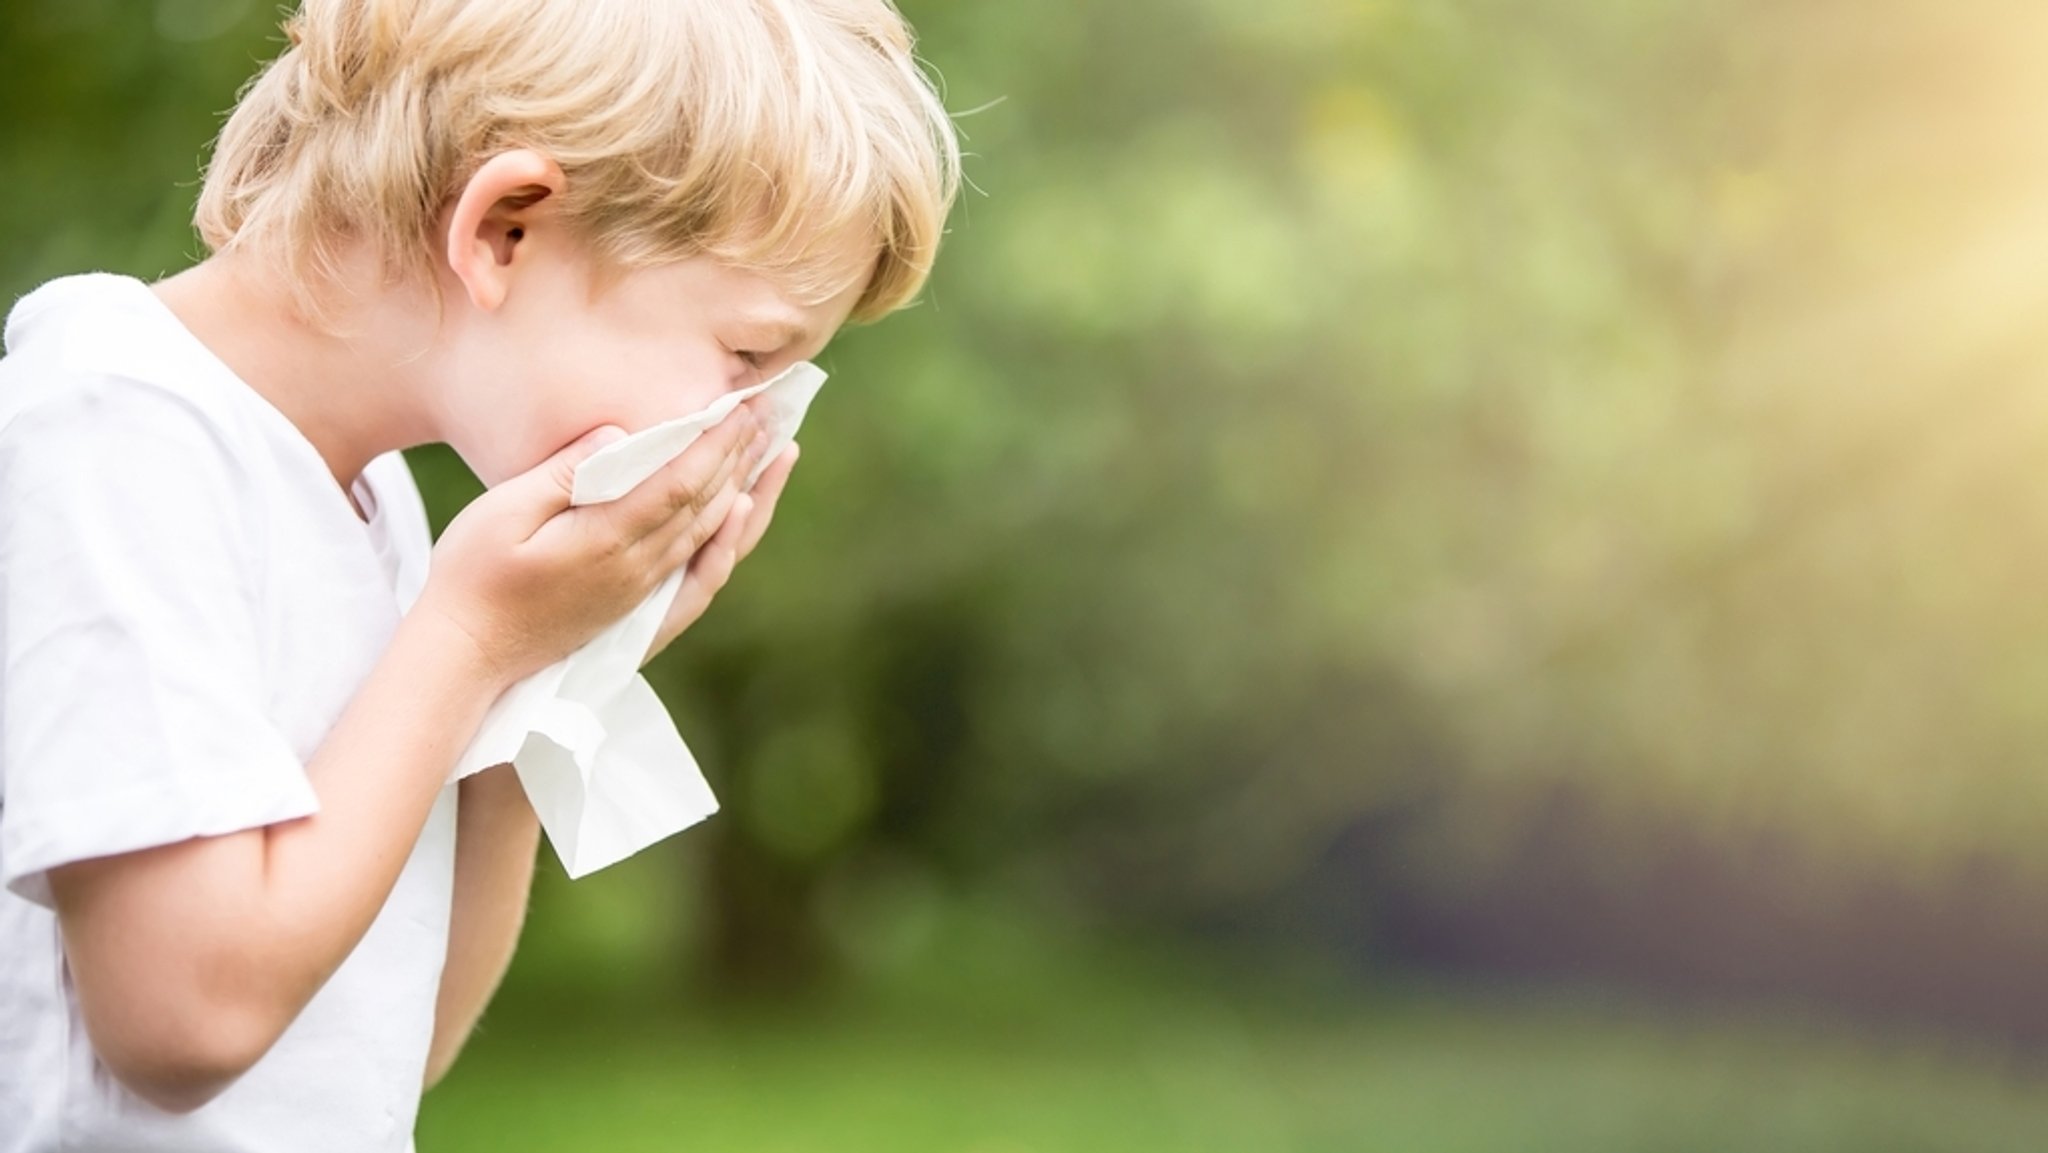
560 357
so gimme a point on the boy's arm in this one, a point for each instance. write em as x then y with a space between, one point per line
496 840
497 835
190 959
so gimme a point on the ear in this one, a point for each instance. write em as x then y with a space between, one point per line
491 219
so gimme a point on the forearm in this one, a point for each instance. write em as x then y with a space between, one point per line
192 958
377 774
496 840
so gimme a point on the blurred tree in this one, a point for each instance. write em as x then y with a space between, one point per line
1324 401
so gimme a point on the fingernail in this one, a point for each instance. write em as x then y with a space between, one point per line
742 506
607 434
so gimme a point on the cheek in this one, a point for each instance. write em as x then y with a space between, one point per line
568 386
544 394
640 392
518 406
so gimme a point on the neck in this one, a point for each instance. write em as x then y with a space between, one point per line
356 388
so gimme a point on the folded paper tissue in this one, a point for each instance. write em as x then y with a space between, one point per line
598 755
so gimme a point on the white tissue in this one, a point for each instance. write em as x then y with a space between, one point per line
598 755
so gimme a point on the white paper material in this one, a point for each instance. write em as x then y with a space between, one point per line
598 755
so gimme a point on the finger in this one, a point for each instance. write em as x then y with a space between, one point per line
713 565
707 577
688 483
708 572
721 530
546 487
689 606
751 438
766 493
762 437
670 546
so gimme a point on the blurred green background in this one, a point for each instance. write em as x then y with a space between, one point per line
1428 575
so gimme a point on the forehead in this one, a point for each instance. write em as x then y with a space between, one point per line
812 264
761 307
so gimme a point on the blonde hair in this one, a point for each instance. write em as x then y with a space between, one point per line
758 132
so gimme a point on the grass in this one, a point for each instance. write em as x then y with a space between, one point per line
997 1041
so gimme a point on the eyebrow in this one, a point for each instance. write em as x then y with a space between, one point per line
776 331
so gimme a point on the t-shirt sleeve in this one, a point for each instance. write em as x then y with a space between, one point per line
132 701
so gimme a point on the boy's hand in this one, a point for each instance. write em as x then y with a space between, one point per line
734 541
527 578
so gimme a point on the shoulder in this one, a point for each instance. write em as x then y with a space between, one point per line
99 385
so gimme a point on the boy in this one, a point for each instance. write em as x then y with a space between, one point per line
243 909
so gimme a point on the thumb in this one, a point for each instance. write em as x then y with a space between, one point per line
549 484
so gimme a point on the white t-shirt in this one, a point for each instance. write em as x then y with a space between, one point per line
187 602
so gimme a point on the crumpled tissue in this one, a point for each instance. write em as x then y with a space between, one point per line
599 757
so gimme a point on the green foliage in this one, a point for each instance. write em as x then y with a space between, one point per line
1321 400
